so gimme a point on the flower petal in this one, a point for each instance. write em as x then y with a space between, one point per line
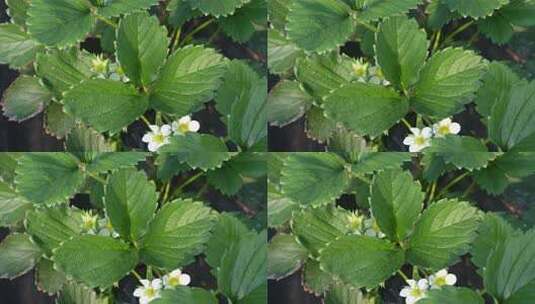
184 120
147 138
415 131
423 284
153 146
455 128
409 140
185 279
427 132
405 292
166 130
194 126
451 279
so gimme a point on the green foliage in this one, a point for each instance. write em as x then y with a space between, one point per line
18 254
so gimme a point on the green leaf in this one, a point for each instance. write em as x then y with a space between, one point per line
13 207
452 295
188 78
48 178
241 25
319 25
277 13
181 12
48 279
179 231
186 295
282 53
396 201
509 267
243 267
446 81
106 105
493 230
439 14
280 208
461 151
316 227
372 260
524 295
25 98
376 9
497 28
203 151
285 256
379 161
130 201
18 254
141 47
401 49
169 165
60 22
218 7
314 279
227 231
286 103
109 161
498 82
49 227
18 11
319 127
104 260
367 109
123 7
342 294
76 293
86 143
239 79
18 49
314 178
506 168
57 122
8 164
475 8
233 173
443 232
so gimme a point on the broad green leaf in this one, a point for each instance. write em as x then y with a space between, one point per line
241 25
401 50
493 230
48 279
285 256
106 105
497 28
507 168
239 79
18 254
227 230
257 296
439 14
18 11
277 12
48 178
49 227
524 295
280 208
130 201
452 295
361 261
286 103
316 227
25 98
319 127
63 69
58 123
233 173
8 164
97 261
123 7
109 161
60 22
396 201
314 178
379 161
319 25
461 151
497 84
243 267
188 78
203 151
501 25
77 293
178 232
141 47
169 165
314 279
343 294
475 8
282 53
86 143
13 207
18 49
446 81
367 109
186 295
376 9
181 12
443 232
217 7
347 142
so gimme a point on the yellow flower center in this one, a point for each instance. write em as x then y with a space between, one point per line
150 292
158 138
89 221
360 69
183 128
443 130
417 292
419 140
440 281
355 221
173 281
99 64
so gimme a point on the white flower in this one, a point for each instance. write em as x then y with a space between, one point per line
355 221
176 278
360 68
372 229
89 222
149 291
415 291
99 64
185 125
106 229
441 278
377 76
445 127
419 139
157 137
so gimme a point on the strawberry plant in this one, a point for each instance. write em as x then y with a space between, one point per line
142 73
397 227
400 76
135 228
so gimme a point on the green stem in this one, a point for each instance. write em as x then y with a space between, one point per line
432 194
107 21
145 120
189 37
138 277
407 124
175 39
452 183
437 40
368 26
458 31
404 276
96 177
166 192
189 181
469 189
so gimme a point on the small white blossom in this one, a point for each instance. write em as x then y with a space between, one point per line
445 127
372 229
355 222
99 64
377 76
419 139
149 291
106 229
157 137
176 278
89 222
117 73
415 291
185 125
360 68
442 278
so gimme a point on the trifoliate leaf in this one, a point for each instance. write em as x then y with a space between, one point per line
452 295
396 201
188 78
48 178
60 22
443 232
319 25
401 50
141 47
106 105
241 25
18 254
497 84
314 179
178 232
18 11
130 201
104 260
461 151
217 8
376 9
18 49
57 122
13 206
475 8
285 256
505 169
379 161
286 103
367 109
186 295
227 230
372 260
120 7
25 98
109 161
47 278
282 53
446 80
